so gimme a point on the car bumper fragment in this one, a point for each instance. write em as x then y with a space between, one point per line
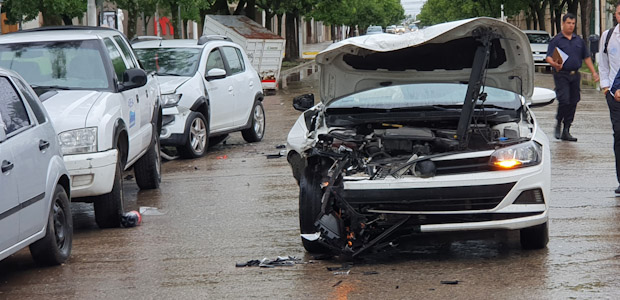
92 174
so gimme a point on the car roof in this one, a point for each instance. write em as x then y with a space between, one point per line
64 33
536 31
178 43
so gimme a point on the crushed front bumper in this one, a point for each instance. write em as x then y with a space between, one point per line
92 174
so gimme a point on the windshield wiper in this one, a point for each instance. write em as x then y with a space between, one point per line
167 74
49 87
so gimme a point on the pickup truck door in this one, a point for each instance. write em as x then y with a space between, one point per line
128 100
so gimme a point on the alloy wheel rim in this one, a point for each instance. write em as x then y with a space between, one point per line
198 135
259 121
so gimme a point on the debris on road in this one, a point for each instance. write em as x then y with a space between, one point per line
337 283
278 155
281 146
131 219
342 272
222 157
150 211
449 282
280 261
370 273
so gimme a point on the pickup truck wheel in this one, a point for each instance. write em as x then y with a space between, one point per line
148 168
256 131
535 237
310 194
55 247
109 207
197 137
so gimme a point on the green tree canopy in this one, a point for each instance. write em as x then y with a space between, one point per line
439 11
53 11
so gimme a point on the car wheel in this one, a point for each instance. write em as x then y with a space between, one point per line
197 137
310 194
256 131
109 207
55 247
148 168
535 237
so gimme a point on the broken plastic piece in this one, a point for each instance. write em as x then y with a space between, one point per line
371 273
131 219
449 282
150 211
311 236
222 157
281 146
342 272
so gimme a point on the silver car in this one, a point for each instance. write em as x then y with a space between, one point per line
34 183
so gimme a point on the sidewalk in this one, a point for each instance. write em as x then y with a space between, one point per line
309 51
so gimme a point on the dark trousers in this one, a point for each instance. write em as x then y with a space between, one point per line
614 114
567 92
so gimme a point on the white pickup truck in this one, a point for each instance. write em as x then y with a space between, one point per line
104 107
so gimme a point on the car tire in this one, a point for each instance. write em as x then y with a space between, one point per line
197 137
55 247
310 194
148 168
535 237
109 207
256 131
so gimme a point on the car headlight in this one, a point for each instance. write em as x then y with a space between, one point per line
170 100
520 155
83 140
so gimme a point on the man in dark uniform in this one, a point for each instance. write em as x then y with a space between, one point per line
566 75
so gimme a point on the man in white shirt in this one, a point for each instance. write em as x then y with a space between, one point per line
608 69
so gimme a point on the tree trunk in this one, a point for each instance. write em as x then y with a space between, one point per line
132 21
185 34
572 6
239 8
280 24
332 32
586 9
174 19
268 20
292 46
552 17
220 7
250 9
540 14
67 20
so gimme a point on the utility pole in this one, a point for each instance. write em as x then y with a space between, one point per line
91 13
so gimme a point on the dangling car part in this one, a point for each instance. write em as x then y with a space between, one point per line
413 136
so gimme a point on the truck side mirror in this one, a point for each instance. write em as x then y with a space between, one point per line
303 102
132 78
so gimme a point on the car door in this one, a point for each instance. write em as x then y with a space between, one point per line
28 143
146 96
9 202
32 156
128 100
242 84
221 94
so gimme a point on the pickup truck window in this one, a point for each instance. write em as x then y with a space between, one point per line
117 60
126 51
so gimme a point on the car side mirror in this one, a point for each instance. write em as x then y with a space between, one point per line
541 97
215 73
303 102
132 78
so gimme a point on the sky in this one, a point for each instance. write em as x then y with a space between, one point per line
412 7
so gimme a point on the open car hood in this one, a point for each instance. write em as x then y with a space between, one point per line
440 53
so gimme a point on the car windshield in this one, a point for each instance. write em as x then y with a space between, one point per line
422 94
538 38
170 61
58 64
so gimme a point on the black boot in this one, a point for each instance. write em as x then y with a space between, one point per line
558 130
566 134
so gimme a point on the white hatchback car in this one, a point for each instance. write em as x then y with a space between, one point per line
34 183
413 137
209 88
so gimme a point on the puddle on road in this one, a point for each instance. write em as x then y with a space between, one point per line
150 211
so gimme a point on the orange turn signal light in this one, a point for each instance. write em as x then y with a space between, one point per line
507 164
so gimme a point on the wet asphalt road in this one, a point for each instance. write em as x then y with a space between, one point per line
236 205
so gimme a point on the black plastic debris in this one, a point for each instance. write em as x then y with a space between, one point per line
449 282
322 257
280 261
370 273
280 146
337 283
344 267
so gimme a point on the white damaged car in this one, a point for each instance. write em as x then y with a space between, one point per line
426 132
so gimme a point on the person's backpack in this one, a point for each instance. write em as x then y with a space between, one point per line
607 38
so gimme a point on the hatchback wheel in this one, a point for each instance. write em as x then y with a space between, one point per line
55 247
256 131
197 137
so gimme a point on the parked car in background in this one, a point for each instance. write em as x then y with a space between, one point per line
374 30
399 146
209 88
35 186
103 105
413 27
539 42
400 29
390 29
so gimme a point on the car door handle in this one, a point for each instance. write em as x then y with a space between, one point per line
43 145
7 166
